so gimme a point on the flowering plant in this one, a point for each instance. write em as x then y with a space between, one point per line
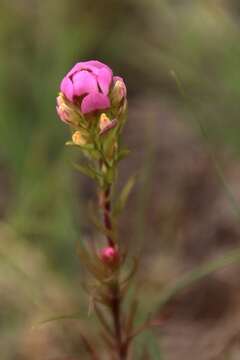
93 103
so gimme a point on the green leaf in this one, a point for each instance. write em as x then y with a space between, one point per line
121 202
147 343
86 147
70 143
122 154
88 171
109 175
109 139
153 346
126 281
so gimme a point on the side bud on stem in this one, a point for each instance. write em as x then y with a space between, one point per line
110 256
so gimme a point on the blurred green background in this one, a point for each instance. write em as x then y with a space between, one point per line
179 197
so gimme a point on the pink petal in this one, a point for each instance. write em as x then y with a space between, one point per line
104 78
84 83
74 69
93 65
93 102
67 88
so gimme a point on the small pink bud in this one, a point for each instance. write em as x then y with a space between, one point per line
109 255
106 124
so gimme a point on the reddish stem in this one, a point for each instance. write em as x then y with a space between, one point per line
116 296
107 214
116 313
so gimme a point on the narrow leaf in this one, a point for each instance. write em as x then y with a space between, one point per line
124 195
131 315
197 274
122 154
87 171
131 273
89 347
103 320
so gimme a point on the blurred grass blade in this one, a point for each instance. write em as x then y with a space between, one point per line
153 347
147 344
73 316
206 137
197 274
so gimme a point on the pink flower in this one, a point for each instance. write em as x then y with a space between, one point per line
109 255
88 86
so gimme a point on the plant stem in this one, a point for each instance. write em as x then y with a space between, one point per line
116 313
107 213
115 289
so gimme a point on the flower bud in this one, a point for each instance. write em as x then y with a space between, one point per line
105 123
119 91
90 87
78 138
92 101
66 111
110 256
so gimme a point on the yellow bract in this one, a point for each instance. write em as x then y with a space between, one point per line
78 139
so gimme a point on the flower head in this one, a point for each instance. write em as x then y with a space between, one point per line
89 84
93 102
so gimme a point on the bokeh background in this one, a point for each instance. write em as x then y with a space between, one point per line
181 62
